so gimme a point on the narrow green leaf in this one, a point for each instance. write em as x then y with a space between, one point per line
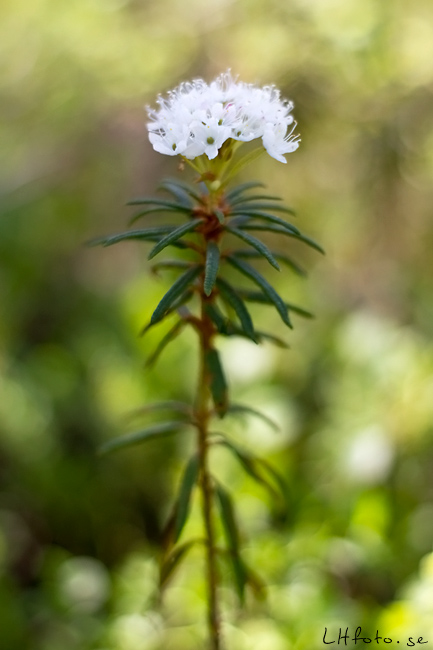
137 437
240 189
256 277
266 216
259 206
254 197
171 264
211 267
167 405
255 243
172 561
184 187
232 330
280 257
149 234
152 210
163 203
250 464
216 317
257 296
232 297
181 300
248 410
178 192
220 215
232 537
189 480
284 231
299 310
280 343
218 383
173 293
173 236
170 336
256 583
279 480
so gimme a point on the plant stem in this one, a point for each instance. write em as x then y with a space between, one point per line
202 416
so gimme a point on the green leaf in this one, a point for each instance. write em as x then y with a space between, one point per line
186 487
259 206
167 405
216 317
137 437
179 193
281 257
189 190
149 234
257 296
279 480
170 336
254 197
284 231
152 210
256 583
232 537
173 236
240 189
280 343
241 408
232 297
232 330
211 267
181 300
172 561
173 293
171 264
250 464
265 216
255 243
256 277
219 215
218 385
163 203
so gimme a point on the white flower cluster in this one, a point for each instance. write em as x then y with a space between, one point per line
197 118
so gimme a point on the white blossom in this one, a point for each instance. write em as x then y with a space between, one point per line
196 118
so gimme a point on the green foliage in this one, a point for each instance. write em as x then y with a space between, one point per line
250 214
173 236
137 437
147 234
267 289
183 502
251 464
232 297
255 243
231 532
248 410
282 231
211 267
174 293
168 338
281 257
172 561
217 384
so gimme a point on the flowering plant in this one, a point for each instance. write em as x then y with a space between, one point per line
206 125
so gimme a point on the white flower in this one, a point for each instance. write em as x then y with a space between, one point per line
197 118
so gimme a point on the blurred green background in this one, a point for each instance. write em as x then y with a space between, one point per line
79 534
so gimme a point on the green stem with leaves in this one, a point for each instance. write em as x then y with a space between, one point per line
202 419
212 212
